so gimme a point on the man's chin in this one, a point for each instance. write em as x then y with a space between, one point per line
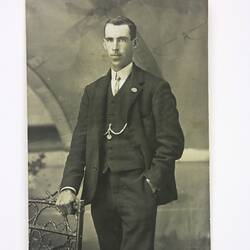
116 60
116 64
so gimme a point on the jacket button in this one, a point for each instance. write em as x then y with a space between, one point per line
94 168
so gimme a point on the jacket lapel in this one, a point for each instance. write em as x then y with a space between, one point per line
99 103
133 88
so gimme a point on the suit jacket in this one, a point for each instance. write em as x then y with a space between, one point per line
153 124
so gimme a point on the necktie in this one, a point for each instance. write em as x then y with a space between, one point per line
117 83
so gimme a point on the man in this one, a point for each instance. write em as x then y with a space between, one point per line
125 144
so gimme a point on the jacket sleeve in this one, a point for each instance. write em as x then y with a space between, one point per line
168 135
75 163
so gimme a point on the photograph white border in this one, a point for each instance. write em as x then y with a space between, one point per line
229 113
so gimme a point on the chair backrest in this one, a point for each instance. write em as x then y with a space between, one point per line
50 229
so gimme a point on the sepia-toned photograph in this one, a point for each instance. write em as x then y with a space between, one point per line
118 136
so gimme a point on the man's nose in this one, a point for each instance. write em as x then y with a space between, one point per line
115 45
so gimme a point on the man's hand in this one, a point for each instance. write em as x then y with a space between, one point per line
66 201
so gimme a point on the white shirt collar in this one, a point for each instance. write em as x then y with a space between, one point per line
123 73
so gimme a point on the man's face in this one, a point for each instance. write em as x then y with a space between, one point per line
118 44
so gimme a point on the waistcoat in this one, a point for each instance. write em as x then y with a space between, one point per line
119 153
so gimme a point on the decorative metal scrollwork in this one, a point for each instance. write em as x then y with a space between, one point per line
50 229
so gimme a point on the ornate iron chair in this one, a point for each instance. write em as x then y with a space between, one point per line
50 229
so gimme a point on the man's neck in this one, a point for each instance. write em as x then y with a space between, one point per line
115 69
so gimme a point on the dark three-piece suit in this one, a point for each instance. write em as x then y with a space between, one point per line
144 142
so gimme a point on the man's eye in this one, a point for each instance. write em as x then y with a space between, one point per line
109 39
123 40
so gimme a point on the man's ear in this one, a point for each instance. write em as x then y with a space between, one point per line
104 44
135 43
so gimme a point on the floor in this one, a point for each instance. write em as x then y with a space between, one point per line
181 225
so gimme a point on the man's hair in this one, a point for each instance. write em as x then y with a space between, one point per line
120 20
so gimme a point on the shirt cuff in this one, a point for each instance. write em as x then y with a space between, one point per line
153 188
70 188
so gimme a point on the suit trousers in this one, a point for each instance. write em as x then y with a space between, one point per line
124 211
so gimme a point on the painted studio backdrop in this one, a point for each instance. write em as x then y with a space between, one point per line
65 53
